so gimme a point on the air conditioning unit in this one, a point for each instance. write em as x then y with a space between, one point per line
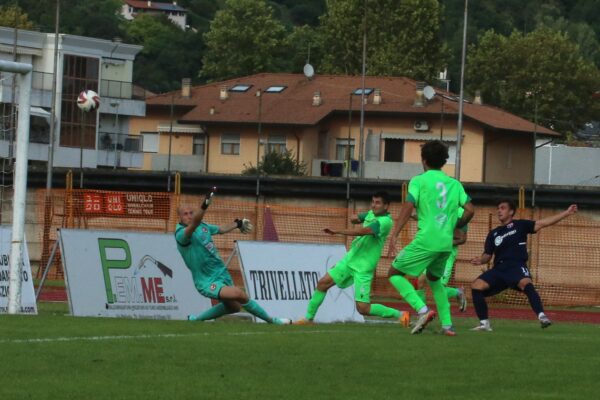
421 126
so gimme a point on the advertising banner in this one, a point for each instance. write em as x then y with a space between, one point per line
28 305
127 274
281 277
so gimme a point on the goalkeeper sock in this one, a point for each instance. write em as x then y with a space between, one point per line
534 298
212 313
421 294
255 309
408 292
451 292
379 310
313 305
441 302
479 303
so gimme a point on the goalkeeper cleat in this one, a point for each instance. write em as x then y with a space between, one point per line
483 327
544 321
404 319
282 321
448 331
422 322
304 321
462 300
192 317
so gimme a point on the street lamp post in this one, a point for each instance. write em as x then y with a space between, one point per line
259 95
118 130
462 94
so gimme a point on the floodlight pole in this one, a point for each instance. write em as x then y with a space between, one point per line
170 143
362 95
259 95
462 95
53 107
19 200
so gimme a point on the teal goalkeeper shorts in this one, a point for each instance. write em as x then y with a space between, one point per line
212 288
413 261
344 276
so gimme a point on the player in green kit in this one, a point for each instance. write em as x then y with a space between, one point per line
359 264
211 278
437 198
460 237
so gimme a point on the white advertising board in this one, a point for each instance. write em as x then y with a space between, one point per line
28 305
281 277
127 274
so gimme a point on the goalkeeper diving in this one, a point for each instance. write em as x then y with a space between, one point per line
210 275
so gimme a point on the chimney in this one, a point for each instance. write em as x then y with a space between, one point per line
223 93
149 3
478 100
211 111
377 97
317 101
186 88
419 97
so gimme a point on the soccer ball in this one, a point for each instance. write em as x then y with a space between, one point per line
88 100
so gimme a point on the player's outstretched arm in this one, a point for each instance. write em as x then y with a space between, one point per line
199 216
244 225
349 232
460 237
545 222
406 211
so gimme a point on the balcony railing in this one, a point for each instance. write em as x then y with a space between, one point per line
39 80
120 90
111 141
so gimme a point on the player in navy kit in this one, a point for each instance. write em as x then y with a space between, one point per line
508 244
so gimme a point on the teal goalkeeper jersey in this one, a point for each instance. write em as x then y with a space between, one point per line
437 198
200 253
365 250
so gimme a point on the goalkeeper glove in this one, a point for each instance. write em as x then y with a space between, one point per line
208 199
244 225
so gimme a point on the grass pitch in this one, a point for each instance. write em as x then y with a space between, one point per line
53 356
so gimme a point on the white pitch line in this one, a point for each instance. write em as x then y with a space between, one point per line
165 336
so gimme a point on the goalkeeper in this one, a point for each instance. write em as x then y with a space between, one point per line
359 264
211 278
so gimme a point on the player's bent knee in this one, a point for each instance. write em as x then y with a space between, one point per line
431 277
393 271
480 284
524 282
233 306
363 308
325 283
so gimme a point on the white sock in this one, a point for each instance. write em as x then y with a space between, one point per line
484 322
541 315
423 310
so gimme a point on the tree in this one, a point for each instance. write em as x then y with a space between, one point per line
169 54
274 163
402 37
13 16
541 70
243 39
297 45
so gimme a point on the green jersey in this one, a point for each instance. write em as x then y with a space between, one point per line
365 250
437 198
200 253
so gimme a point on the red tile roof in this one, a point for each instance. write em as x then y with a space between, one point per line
294 106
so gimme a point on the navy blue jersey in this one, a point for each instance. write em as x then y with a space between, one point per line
508 243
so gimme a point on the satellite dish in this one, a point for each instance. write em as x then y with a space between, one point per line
429 92
309 71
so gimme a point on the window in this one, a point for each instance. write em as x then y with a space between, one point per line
240 88
451 154
198 145
275 89
394 150
230 144
368 91
276 144
150 142
342 147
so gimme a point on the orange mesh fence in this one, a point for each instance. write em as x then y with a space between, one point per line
563 258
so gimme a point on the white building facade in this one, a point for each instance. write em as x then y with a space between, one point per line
176 13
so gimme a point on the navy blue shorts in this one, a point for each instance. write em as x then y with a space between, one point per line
502 279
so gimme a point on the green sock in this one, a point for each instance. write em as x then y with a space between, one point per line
421 294
407 291
441 302
212 313
255 309
451 292
379 310
313 305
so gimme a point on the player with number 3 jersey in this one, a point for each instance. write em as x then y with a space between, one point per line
437 199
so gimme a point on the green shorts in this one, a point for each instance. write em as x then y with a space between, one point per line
212 288
414 261
343 276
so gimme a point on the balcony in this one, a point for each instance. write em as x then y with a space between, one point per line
121 90
41 88
373 169
122 98
120 150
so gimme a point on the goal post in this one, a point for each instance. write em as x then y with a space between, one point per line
23 72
